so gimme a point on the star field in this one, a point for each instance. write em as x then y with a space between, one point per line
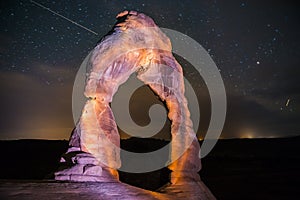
255 45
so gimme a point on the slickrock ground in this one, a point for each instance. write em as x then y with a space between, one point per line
49 189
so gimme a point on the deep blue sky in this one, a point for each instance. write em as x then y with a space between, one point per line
254 43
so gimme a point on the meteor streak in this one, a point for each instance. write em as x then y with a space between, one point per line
287 102
73 22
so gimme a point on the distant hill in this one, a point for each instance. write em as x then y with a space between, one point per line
235 167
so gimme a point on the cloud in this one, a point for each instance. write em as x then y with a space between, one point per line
245 113
30 104
38 105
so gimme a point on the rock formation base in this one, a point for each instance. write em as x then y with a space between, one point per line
83 167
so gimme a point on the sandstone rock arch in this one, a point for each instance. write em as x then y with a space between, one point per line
136 45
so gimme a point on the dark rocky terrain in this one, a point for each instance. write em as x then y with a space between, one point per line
235 169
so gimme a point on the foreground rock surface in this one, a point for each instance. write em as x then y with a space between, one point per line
48 189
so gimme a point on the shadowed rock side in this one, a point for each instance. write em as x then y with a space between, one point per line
135 45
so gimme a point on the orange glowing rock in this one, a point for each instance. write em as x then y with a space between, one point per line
136 44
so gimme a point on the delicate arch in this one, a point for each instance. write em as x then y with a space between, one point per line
135 45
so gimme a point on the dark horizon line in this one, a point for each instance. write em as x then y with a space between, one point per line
243 138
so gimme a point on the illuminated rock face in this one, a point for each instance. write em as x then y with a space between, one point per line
135 45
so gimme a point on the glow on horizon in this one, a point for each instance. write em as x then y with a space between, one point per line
248 134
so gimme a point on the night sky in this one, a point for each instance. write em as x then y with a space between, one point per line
255 44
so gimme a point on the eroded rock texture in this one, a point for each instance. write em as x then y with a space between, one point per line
136 44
